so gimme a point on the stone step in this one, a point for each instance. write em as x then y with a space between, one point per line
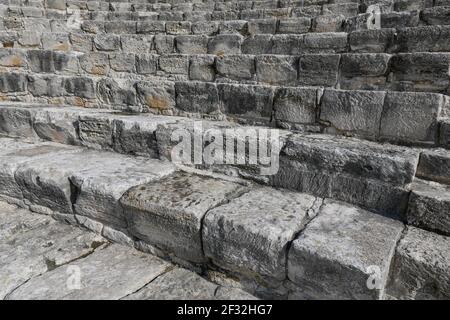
218 219
421 267
375 115
421 72
429 205
434 165
444 133
406 40
375 176
52 251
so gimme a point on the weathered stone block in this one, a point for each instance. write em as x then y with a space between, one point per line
178 27
421 267
363 159
168 214
294 25
246 101
276 70
435 165
51 61
137 43
257 44
238 67
151 27
429 74
225 44
262 26
429 206
146 63
99 187
332 42
364 71
371 40
333 259
236 236
424 39
298 105
134 269
192 44
318 70
201 67
197 97
288 44
95 63
111 92
174 64
411 116
159 96
356 112
122 62
164 44
107 42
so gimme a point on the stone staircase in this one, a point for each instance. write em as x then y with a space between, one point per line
91 93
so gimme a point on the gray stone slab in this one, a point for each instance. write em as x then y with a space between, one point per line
435 165
178 284
100 187
38 250
168 214
421 268
339 251
250 234
429 206
110 273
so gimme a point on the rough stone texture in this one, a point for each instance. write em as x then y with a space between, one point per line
411 116
37 250
334 256
435 165
276 70
130 270
246 101
251 234
421 267
100 187
345 155
237 67
352 111
297 105
168 214
178 284
318 70
200 97
429 206
14 155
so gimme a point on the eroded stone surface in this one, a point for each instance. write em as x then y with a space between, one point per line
429 206
110 273
169 213
338 252
250 234
421 268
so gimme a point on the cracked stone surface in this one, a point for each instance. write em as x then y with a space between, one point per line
336 254
41 258
251 233
169 213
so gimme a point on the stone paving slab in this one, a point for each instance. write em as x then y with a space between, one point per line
169 213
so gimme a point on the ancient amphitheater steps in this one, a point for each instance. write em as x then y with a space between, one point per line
51 251
215 228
